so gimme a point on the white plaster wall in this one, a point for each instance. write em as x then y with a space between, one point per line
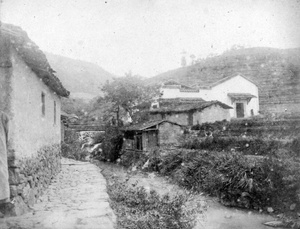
211 114
219 92
236 84
171 93
30 129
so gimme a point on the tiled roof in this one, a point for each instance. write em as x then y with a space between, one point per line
146 125
185 107
32 56
175 84
241 95
208 84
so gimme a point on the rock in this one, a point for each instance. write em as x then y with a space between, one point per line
14 176
13 190
151 175
274 224
146 164
292 207
228 216
270 209
147 189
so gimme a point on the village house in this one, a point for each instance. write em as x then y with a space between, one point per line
30 95
152 134
236 91
190 111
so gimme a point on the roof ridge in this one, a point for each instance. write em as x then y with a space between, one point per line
39 64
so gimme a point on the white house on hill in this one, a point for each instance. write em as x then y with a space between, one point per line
236 91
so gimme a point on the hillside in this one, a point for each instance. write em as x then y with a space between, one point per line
82 79
276 72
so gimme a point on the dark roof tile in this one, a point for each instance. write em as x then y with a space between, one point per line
33 57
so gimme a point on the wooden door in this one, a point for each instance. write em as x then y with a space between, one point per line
240 112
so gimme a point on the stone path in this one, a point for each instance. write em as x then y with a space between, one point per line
76 199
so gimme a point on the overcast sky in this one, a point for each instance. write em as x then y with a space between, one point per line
149 36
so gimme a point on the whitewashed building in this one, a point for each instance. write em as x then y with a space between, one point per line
236 91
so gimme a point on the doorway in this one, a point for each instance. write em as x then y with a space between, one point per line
240 111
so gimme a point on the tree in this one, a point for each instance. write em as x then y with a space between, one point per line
183 61
193 57
127 92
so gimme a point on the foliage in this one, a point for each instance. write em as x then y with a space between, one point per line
183 61
132 157
112 144
295 146
137 208
75 106
71 147
128 91
249 146
248 182
275 128
98 138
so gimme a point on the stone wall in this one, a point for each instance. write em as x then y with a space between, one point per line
180 118
169 134
28 178
211 114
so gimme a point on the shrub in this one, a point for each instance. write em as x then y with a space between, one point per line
132 157
248 182
71 147
295 146
249 146
73 151
98 138
112 144
136 208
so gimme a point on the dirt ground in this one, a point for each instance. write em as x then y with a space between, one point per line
215 216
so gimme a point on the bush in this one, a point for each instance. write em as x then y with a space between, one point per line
98 138
71 147
112 144
248 182
136 208
249 146
73 151
295 146
132 157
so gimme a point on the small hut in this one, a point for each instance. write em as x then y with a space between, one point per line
149 135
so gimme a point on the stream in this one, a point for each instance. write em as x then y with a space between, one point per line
217 216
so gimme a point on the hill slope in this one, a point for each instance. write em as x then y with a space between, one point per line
82 79
276 72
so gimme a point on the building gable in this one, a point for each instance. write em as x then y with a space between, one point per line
34 58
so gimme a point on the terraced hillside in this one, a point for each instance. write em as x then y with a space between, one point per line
276 72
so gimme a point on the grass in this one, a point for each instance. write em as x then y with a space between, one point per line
137 206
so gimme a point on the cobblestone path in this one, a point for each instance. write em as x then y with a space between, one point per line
76 199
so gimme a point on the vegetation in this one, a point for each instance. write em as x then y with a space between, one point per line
138 208
127 92
248 182
112 144
274 88
71 146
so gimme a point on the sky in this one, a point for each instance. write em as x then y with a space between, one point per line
148 37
